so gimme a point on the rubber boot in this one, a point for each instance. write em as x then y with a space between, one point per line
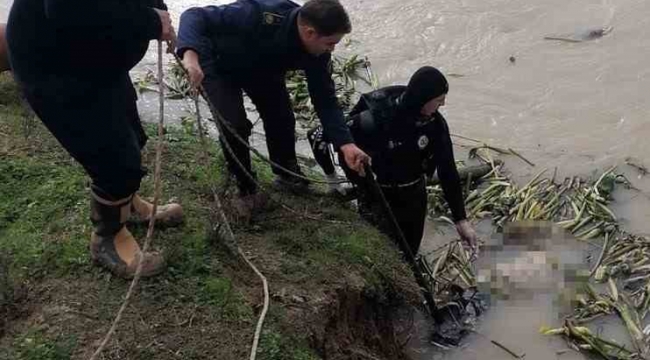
166 215
112 246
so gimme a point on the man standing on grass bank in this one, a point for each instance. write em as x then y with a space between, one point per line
408 138
249 46
72 59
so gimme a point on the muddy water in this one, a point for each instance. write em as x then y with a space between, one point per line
574 106
525 287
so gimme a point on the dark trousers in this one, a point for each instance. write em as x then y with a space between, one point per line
269 95
97 122
409 206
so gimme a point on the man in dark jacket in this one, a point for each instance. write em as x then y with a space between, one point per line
249 46
72 59
401 129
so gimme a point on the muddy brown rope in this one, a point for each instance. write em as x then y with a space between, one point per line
152 220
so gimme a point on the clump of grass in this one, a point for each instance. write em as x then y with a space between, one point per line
221 293
34 345
275 346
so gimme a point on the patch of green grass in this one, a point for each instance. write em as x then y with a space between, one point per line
319 251
296 241
35 346
220 292
190 256
300 269
216 291
12 110
43 198
186 140
275 346
182 160
9 94
352 247
320 255
41 215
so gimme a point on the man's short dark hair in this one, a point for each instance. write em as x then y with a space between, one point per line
327 17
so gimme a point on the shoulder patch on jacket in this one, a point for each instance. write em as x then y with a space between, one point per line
423 141
272 18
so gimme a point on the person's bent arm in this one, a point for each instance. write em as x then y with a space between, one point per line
450 180
323 95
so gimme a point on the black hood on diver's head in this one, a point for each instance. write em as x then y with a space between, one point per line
427 83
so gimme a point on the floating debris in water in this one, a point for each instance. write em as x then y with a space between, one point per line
574 204
345 73
580 36
580 207
643 171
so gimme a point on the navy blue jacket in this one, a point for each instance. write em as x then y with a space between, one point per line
84 39
251 36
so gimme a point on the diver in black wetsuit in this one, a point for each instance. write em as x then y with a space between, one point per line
407 138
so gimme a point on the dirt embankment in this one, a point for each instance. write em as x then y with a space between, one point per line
338 288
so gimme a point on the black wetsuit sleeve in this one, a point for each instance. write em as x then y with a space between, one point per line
443 161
